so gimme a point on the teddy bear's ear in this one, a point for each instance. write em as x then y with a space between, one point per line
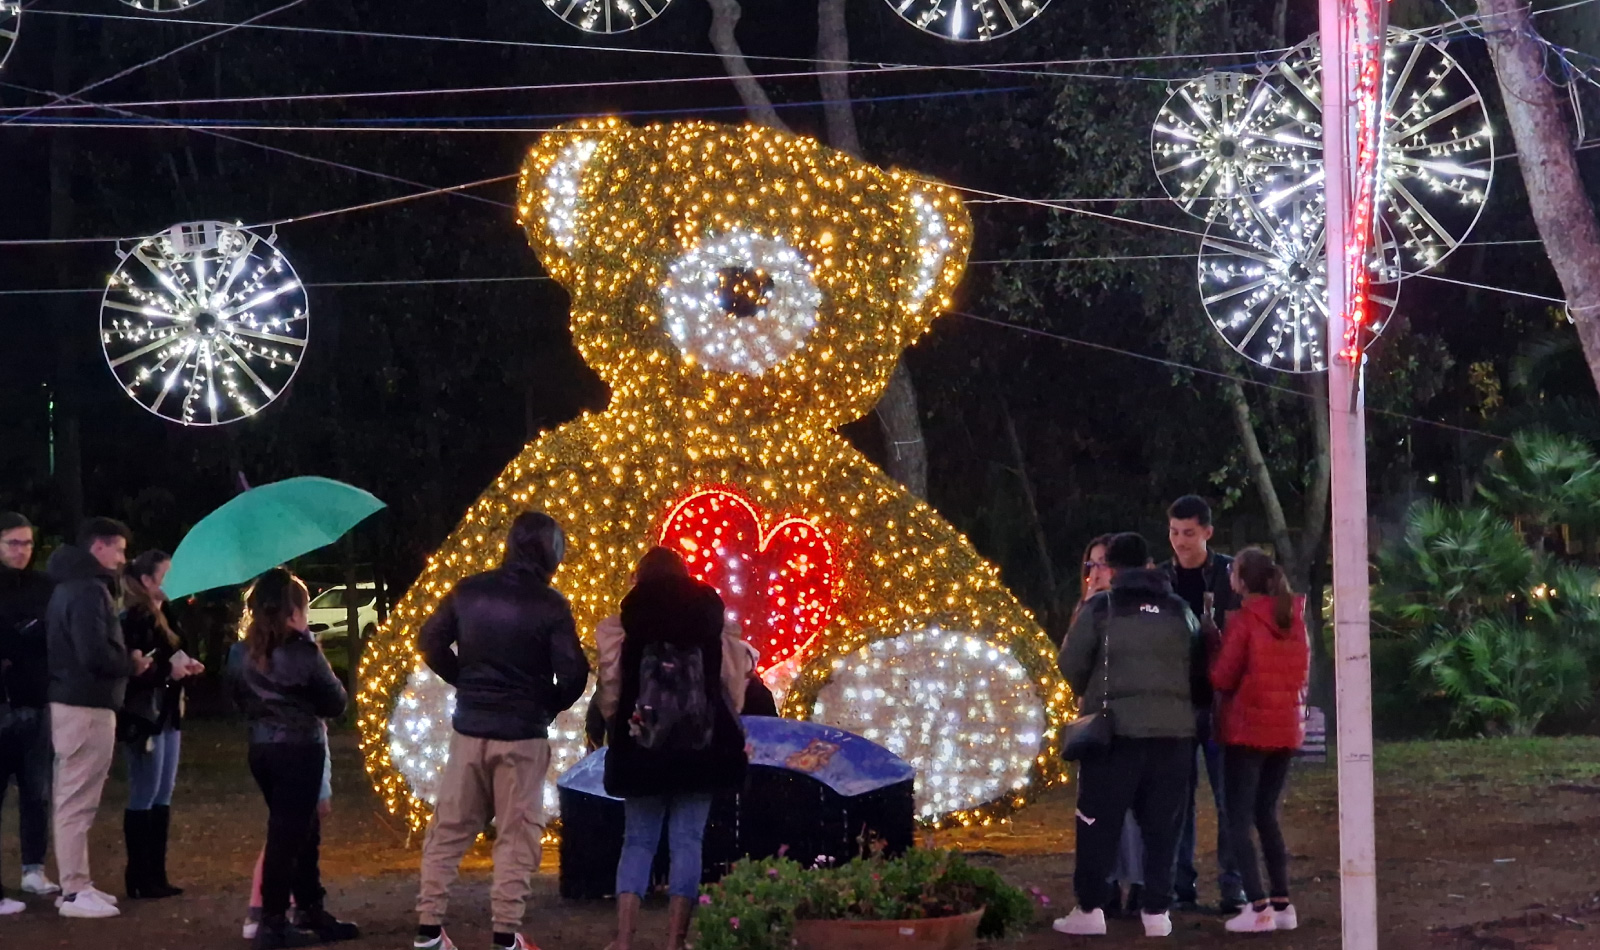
557 179
939 235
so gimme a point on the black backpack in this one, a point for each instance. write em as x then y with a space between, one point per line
672 714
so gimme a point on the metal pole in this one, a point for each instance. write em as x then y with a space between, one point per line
1358 885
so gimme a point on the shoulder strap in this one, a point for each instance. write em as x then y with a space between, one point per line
1102 611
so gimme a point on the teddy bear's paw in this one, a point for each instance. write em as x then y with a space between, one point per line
958 708
419 737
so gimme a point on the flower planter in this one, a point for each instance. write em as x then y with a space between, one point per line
929 933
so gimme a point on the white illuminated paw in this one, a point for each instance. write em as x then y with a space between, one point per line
419 737
962 711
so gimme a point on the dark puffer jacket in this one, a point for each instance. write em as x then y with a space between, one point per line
24 598
685 613
89 662
287 699
517 662
1157 667
154 702
1262 674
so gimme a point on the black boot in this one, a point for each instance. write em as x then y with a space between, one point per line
326 926
276 933
157 883
135 880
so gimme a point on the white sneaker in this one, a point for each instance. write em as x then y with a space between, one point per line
1251 921
441 942
250 928
104 897
9 907
88 905
1285 919
1081 923
1157 925
34 882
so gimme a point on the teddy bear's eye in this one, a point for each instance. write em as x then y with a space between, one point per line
740 302
744 292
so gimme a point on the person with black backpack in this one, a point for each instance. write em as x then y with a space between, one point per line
675 736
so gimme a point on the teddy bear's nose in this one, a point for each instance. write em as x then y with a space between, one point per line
744 292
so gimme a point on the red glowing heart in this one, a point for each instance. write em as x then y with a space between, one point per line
778 583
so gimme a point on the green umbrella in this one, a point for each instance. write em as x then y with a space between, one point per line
263 528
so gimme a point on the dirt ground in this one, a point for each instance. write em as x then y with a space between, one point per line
1491 844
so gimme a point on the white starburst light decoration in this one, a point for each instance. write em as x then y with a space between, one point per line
205 323
969 20
607 16
1437 160
10 23
420 730
162 6
1264 284
1226 138
740 302
959 709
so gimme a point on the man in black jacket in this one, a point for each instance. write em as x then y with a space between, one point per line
25 752
507 642
89 670
1200 575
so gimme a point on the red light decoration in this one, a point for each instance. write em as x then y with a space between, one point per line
779 582
1367 38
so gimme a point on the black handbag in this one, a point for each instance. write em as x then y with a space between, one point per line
1090 734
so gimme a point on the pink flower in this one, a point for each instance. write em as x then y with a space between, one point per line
783 850
772 873
733 922
705 899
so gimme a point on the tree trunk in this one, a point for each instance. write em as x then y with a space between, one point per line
833 56
901 422
1306 575
1261 474
71 356
1019 461
724 17
1536 112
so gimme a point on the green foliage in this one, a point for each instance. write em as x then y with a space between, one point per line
1452 567
1506 676
755 906
1546 478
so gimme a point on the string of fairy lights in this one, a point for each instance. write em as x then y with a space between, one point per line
744 293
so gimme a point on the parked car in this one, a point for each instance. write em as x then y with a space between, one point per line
329 614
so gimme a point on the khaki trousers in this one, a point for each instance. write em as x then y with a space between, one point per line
485 779
85 740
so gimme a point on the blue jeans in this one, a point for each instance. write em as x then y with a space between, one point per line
685 817
1129 868
1187 879
152 770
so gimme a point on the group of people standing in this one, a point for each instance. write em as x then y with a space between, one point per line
1203 660
89 661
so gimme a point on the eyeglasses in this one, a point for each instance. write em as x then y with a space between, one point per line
18 545
1089 566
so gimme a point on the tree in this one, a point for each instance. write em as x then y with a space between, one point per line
897 411
1536 112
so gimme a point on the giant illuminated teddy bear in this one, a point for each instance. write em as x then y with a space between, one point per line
745 292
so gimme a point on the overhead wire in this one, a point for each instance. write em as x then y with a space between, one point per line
226 29
1200 370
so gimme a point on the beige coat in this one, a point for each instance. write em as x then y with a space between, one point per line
736 664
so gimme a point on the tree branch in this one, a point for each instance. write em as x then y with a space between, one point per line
724 17
1039 538
833 55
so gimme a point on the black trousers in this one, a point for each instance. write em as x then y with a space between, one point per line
290 778
1150 777
1256 780
27 757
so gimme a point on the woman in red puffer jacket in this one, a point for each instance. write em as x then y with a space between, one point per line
1261 671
